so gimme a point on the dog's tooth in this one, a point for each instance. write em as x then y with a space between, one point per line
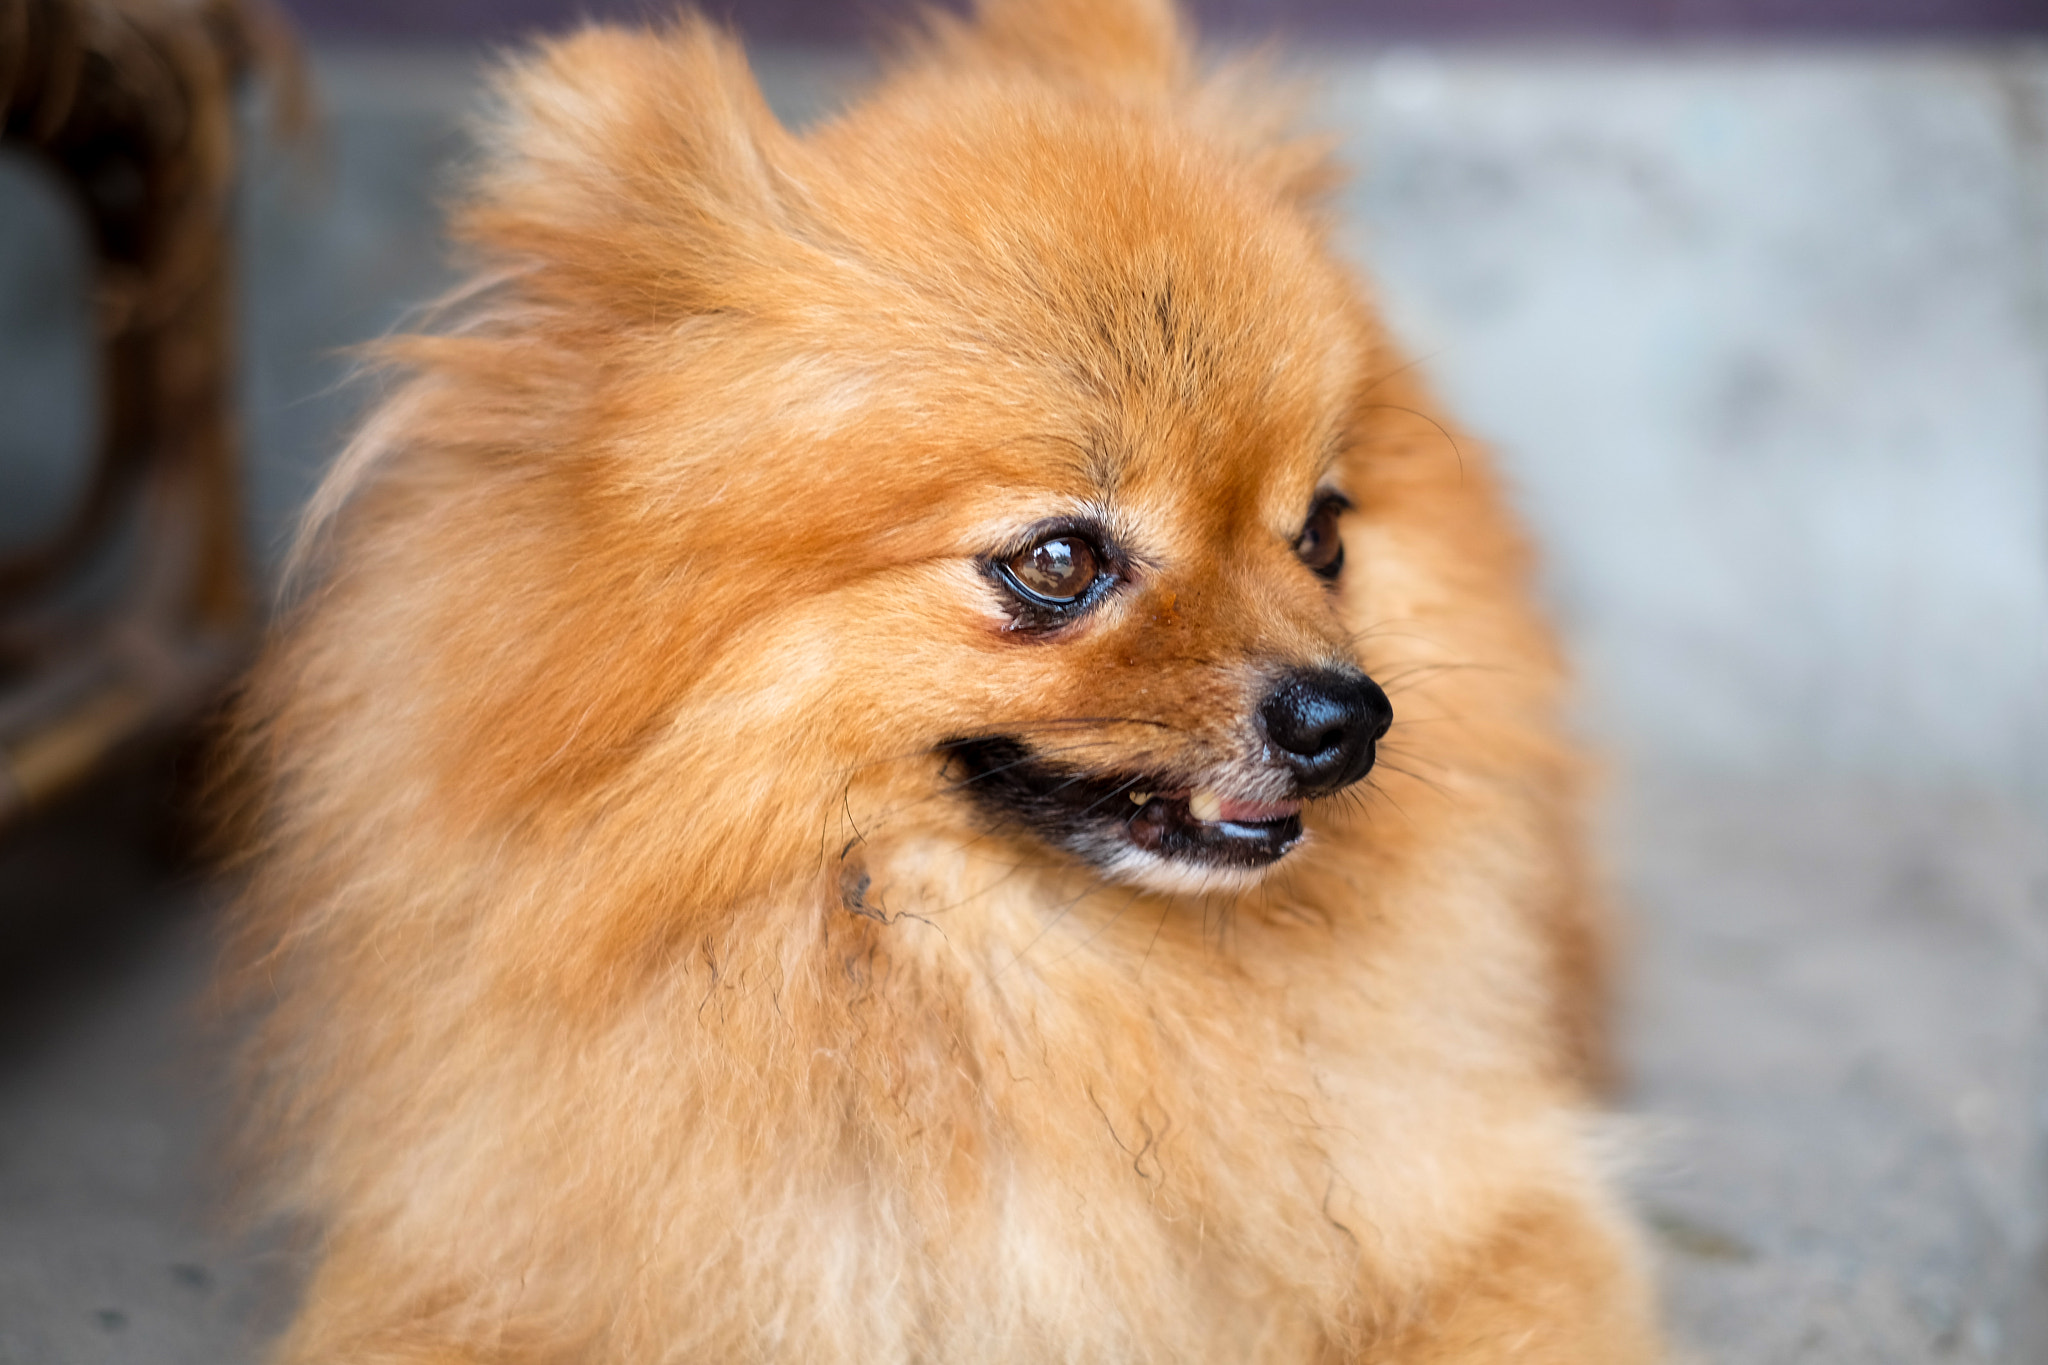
1205 805
1140 798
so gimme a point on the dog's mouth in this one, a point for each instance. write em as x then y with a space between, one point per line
1112 819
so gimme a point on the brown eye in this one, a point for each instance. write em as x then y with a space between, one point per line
1057 570
1320 546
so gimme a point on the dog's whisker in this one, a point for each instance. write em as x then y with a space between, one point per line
1413 776
1091 888
1127 785
1378 789
1442 430
1104 927
1426 670
1407 754
1018 727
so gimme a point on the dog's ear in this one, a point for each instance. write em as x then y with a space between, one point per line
636 164
1129 44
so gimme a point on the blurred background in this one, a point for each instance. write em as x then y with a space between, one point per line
1749 296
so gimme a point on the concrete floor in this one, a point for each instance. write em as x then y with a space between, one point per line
1763 341
1839 1029
112 1242
1836 1031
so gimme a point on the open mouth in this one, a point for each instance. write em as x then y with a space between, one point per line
1105 817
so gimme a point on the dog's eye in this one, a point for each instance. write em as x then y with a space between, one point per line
1057 570
1320 546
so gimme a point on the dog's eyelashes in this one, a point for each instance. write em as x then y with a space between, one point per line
1062 569
1058 570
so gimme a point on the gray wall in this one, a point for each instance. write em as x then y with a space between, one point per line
1764 341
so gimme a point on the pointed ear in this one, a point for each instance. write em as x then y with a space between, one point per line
632 163
1129 44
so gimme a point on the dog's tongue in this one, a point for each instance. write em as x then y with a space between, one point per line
1210 807
1257 812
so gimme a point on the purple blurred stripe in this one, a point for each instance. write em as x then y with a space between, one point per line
844 21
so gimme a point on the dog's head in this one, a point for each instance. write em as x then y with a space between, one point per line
979 461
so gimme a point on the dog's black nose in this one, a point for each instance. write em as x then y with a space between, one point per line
1323 725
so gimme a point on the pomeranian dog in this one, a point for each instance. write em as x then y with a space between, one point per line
912 742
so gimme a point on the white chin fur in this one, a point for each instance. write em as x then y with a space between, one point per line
1171 876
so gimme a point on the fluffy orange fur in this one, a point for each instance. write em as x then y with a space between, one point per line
637 985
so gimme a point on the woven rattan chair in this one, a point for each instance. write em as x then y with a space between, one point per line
132 103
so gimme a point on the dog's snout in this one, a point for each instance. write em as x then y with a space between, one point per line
1322 725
